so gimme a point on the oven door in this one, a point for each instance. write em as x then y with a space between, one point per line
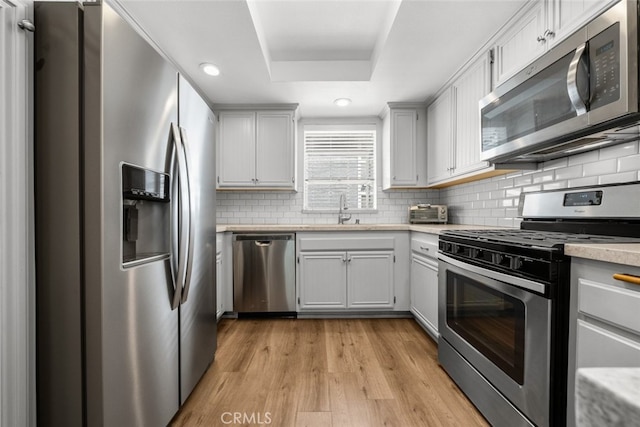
502 330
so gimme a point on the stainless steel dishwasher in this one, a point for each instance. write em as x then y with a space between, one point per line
264 274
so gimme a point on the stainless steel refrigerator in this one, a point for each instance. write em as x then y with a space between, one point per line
125 224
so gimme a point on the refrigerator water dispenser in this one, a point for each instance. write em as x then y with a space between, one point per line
145 215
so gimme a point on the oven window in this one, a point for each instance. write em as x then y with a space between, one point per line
492 322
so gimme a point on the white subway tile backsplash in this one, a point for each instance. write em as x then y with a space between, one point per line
601 167
556 164
522 180
569 172
579 182
618 151
542 177
618 177
629 163
580 159
554 185
491 202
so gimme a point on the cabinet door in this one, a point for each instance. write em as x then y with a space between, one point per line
440 123
219 287
274 149
597 347
519 45
404 148
370 279
424 292
472 86
323 280
237 149
566 16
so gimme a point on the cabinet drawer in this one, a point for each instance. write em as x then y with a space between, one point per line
616 305
597 347
345 244
425 244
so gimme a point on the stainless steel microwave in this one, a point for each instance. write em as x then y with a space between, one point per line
581 95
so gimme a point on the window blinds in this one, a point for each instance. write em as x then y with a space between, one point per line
339 162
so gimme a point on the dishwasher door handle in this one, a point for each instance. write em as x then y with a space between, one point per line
263 243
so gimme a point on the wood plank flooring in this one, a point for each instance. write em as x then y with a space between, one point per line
326 373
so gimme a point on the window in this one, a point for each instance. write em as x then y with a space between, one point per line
339 160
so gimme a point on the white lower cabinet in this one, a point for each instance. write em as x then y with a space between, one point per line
219 285
323 280
370 279
424 281
339 280
358 271
220 276
604 322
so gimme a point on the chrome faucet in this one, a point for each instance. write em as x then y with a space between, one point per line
342 217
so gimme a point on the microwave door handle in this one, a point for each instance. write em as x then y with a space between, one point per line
572 81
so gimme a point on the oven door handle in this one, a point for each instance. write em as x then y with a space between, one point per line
529 285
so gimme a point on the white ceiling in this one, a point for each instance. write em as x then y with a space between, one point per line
311 52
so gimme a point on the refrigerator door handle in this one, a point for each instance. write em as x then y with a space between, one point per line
180 214
190 228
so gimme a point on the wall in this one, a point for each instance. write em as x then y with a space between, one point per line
278 207
494 201
17 284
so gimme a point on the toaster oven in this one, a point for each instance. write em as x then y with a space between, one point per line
426 213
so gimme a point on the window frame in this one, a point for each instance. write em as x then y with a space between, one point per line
341 125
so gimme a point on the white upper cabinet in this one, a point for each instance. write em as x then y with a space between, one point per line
453 140
567 16
539 27
274 149
256 149
404 162
440 134
470 88
237 149
522 42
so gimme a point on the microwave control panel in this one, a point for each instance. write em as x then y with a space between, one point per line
604 55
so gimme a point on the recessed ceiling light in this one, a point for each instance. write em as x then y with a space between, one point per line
210 69
342 102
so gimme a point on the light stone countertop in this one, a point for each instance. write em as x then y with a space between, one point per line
608 397
622 253
424 228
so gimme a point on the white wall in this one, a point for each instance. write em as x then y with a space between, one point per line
494 201
17 293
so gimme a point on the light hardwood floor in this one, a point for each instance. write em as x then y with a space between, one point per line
326 373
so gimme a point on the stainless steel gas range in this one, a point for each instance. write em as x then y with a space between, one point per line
504 299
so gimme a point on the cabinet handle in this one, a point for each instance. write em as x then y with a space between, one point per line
629 278
424 249
548 34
